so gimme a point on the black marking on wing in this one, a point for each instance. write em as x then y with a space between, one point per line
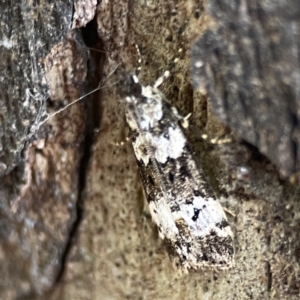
196 214
223 224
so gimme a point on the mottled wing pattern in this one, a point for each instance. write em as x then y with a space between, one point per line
189 217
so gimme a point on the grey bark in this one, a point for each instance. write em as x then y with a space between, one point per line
249 63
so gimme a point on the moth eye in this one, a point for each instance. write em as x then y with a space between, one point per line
150 180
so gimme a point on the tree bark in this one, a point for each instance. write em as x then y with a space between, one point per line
72 204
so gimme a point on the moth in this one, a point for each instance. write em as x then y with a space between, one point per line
189 217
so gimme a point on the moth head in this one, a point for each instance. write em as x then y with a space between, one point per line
129 85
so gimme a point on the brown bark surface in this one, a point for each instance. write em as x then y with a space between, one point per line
74 222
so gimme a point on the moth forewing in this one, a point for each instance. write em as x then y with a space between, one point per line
189 217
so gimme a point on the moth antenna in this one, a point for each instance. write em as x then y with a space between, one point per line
139 67
97 50
225 139
100 86
166 73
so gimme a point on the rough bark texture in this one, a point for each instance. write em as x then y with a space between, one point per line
40 167
248 61
74 223
27 35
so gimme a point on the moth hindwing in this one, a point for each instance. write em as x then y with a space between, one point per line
189 217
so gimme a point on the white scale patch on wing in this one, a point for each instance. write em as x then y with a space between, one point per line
162 216
207 219
163 147
169 146
210 214
154 109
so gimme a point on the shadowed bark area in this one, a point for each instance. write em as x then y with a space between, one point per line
74 222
